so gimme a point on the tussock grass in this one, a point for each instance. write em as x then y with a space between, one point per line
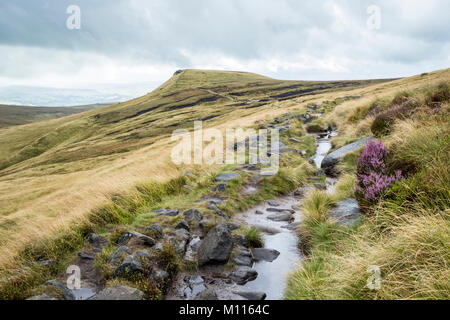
254 237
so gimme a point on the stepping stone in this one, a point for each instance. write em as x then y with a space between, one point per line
258 212
279 210
265 254
273 203
286 216
243 275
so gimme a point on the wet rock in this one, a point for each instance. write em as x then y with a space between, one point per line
216 246
93 238
267 229
281 216
228 176
265 254
156 230
243 275
167 212
292 226
42 297
273 203
243 257
192 215
219 188
240 240
182 225
85 255
332 159
141 238
280 210
207 294
233 226
251 295
118 255
119 293
68 295
258 212
346 213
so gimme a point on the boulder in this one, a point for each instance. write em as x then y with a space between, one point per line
132 264
273 203
156 230
346 212
141 238
93 238
119 293
216 246
240 240
243 274
118 255
182 225
219 212
221 187
264 254
332 159
243 257
192 215
281 216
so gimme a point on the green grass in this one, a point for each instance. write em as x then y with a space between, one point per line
254 237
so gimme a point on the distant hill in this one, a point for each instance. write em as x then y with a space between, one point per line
12 115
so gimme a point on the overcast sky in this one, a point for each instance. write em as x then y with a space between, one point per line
125 48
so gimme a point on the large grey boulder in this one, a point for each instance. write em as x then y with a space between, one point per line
216 246
119 293
346 213
132 264
192 215
243 274
332 159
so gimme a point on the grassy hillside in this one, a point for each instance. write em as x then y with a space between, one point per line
18 115
55 172
406 230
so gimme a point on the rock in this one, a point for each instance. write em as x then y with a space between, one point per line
207 294
233 226
243 275
180 240
258 212
243 257
250 295
85 255
240 240
320 186
68 295
141 238
182 225
119 293
332 159
267 229
42 297
280 210
292 226
167 212
265 254
46 263
130 266
346 213
219 212
156 230
219 188
83 293
273 203
118 255
299 192
192 215
159 276
216 246
93 238
228 176
281 216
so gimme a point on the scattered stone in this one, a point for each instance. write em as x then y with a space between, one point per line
182 225
68 295
159 276
132 264
156 230
292 226
243 257
243 275
119 293
228 176
240 240
279 210
233 226
46 263
258 212
216 246
346 213
267 229
141 238
281 216
219 212
273 203
332 159
249 295
207 294
93 238
320 186
167 212
118 255
219 188
85 255
192 215
180 240
299 192
265 254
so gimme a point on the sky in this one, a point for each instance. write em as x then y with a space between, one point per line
125 48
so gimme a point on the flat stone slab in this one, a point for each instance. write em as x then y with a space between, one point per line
228 176
346 213
330 161
265 254
119 293
281 216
